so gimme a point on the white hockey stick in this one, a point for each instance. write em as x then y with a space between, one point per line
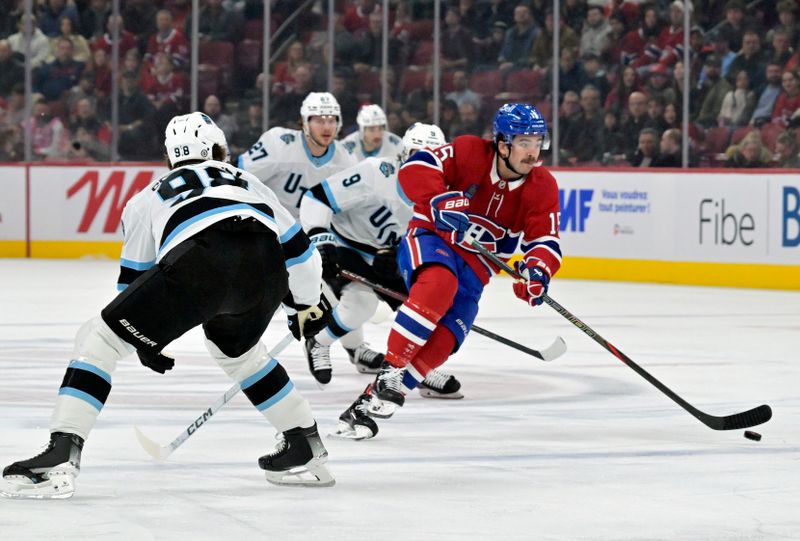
161 452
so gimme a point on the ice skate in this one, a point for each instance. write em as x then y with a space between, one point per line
438 384
354 423
50 474
319 361
298 460
387 392
367 361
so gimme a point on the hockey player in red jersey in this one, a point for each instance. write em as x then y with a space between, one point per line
495 192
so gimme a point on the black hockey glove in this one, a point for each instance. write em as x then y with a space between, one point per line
325 243
157 362
306 321
385 263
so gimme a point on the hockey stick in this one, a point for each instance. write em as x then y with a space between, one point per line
552 352
745 419
161 452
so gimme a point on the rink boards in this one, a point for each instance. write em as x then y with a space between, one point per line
704 227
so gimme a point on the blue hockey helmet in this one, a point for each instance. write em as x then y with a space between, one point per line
519 119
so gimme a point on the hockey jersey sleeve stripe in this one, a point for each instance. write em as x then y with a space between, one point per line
554 249
331 199
136 265
291 232
205 207
296 246
318 193
302 258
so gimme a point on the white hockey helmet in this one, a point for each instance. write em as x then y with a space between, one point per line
421 135
320 104
369 116
192 137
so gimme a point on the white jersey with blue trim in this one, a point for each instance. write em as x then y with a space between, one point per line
191 198
282 161
363 205
391 146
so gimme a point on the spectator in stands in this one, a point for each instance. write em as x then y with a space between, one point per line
634 123
787 15
769 93
497 10
368 51
59 76
734 24
127 40
11 139
40 45
487 50
574 14
627 83
47 132
634 44
738 104
780 50
610 145
166 89
227 123
93 18
140 16
669 150
295 55
671 118
168 39
356 18
786 153
286 108
217 22
749 153
101 69
594 75
8 16
518 45
457 49
250 130
449 121
461 93
417 103
542 53
86 127
132 63
12 71
647 149
342 90
656 103
85 89
581 143
471 123
658 83
571 75
50 14
136 133
713 92
750 59
15 105
789 100
80 46
594 35
470 18
722 49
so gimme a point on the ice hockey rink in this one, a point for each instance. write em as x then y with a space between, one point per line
579 448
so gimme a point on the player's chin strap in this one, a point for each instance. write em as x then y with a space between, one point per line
507 161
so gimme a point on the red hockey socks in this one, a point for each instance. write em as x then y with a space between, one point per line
432 355
431 296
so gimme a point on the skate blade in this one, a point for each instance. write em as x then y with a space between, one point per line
345 432
312 474
363 369
430 393
381 409
60 486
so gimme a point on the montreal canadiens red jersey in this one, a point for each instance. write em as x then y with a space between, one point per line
512 213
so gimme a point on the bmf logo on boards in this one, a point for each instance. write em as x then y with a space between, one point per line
790 221
575 209
719 226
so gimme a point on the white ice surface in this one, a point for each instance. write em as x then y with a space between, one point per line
581 448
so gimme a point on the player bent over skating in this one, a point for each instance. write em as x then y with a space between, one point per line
207 244
495 192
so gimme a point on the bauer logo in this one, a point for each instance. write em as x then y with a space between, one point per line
114 187
575 208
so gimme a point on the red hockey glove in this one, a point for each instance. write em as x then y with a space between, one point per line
537 279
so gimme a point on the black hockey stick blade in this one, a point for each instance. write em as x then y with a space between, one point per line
745 419
550 353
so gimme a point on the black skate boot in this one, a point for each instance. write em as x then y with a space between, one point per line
387 392
50 474
367 361
438 384
298 460
354 423
319 361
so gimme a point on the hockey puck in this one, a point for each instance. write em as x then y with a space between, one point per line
750 435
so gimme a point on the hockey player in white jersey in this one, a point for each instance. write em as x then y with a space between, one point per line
362 214
291 162
373 140
207 244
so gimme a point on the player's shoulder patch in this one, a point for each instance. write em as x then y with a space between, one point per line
349 146
387 169
394 139
288 138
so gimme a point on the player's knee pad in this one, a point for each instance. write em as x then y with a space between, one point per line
97 344
242 366
356 305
